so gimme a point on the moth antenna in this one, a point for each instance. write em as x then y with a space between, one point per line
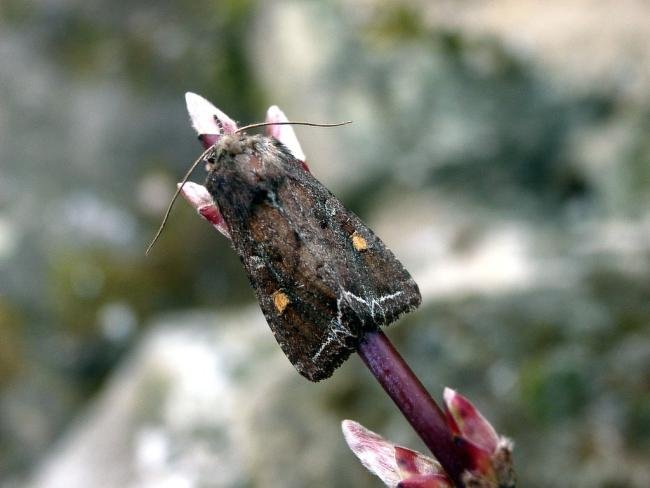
312 124
178 191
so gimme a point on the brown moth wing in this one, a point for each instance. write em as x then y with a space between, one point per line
321 275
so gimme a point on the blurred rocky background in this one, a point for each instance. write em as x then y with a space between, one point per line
500 148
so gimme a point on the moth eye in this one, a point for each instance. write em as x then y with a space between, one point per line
211 160
210 163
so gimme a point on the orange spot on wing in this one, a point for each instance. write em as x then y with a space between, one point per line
359 242
280 301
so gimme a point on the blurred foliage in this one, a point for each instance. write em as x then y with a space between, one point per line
11 353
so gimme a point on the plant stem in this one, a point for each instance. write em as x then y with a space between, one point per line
410 396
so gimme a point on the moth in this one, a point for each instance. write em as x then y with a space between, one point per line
323 279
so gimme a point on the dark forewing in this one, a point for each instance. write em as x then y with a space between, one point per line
321 276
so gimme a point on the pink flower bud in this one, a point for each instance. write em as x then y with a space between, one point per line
198 196
426 481
393 464
204 115
284 133
469 422
486 457
489 457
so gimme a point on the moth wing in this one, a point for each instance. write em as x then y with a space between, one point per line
303 320
320 274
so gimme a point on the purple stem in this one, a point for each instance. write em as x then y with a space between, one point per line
410 396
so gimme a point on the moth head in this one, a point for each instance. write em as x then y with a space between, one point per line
229 145
225 142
